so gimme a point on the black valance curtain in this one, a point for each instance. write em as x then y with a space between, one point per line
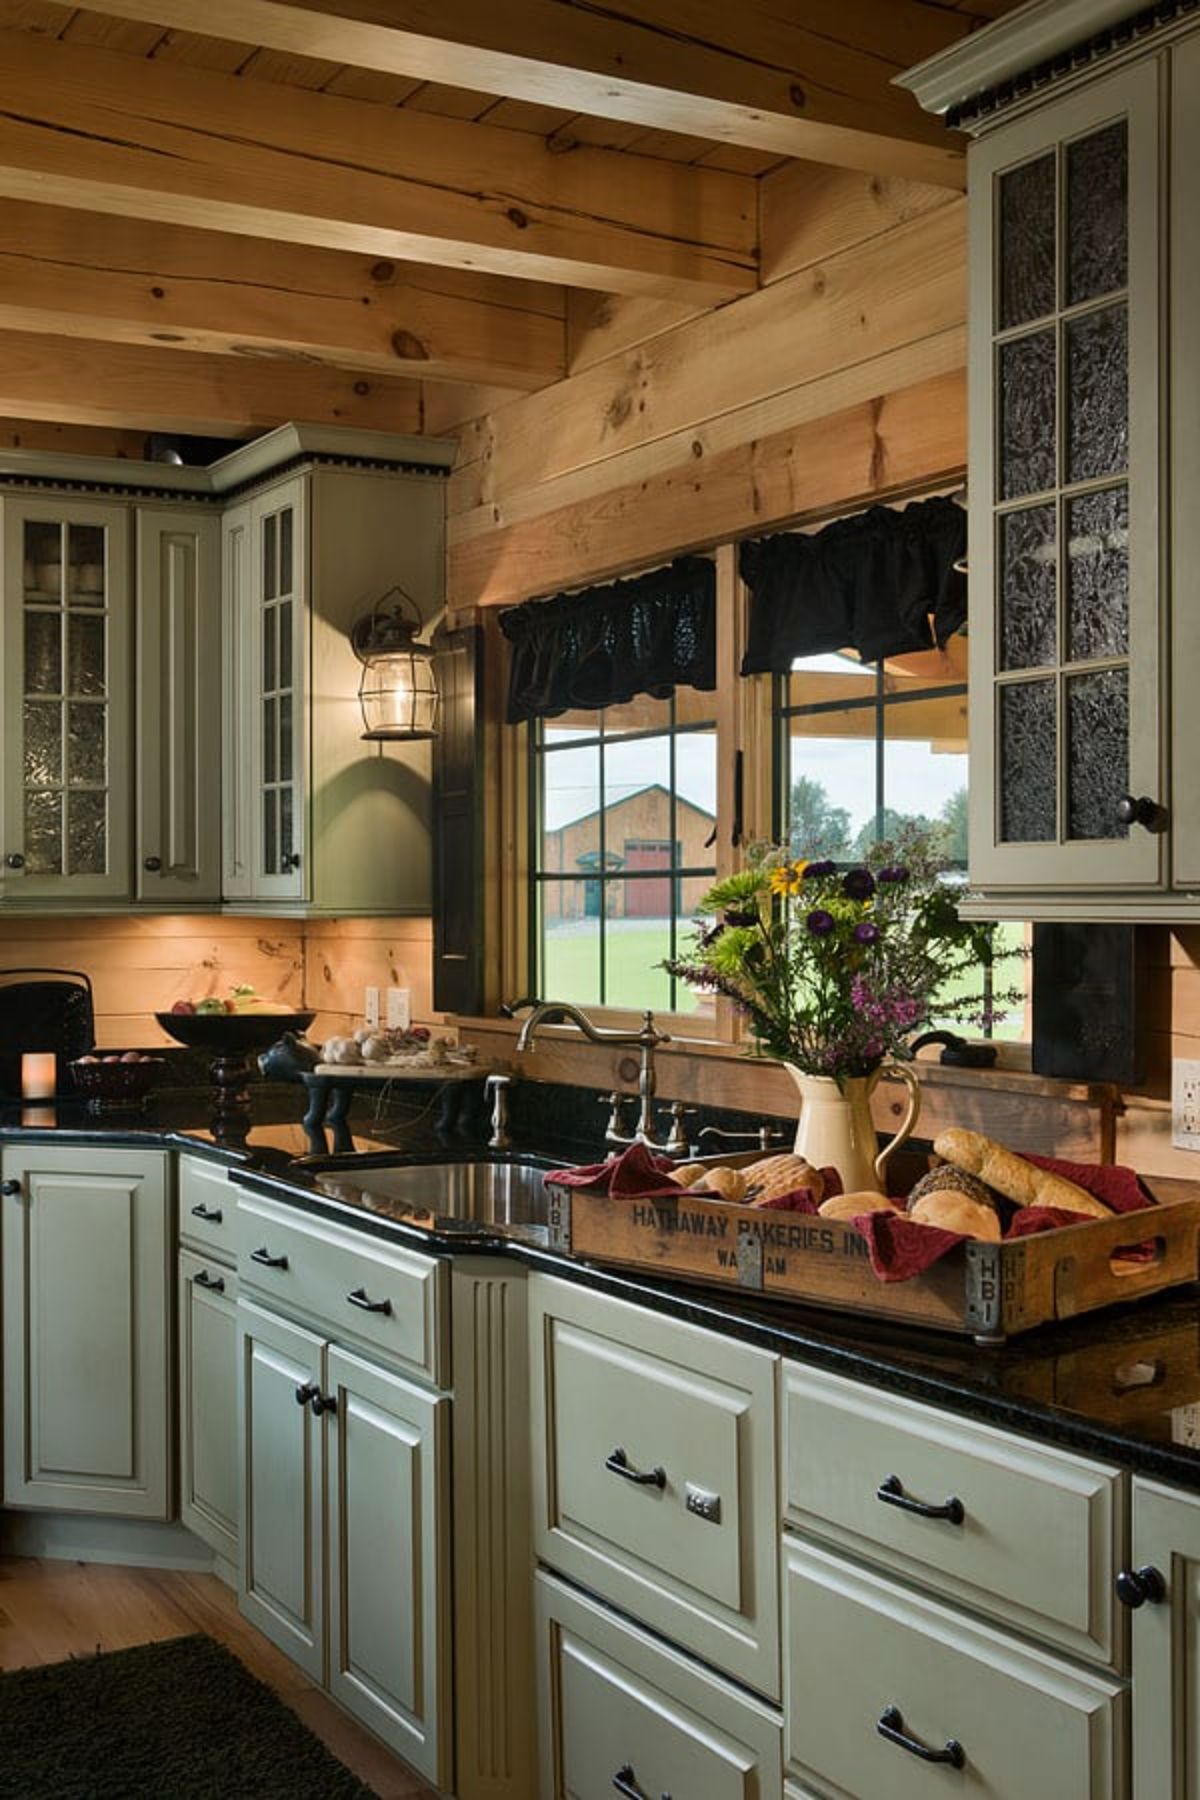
867 584
602 646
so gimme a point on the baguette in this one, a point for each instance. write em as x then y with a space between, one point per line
1013 1177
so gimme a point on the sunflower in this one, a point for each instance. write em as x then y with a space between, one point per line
788 877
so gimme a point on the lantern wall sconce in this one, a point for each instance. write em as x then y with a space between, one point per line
398 691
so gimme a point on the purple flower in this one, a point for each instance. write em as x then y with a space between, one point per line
896 873
866 933
858 884
820 922
815 870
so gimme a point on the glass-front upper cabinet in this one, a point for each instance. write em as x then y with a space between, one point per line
64 791
279 553
1067 776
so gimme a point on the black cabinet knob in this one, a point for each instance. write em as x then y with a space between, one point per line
152 865
309 1391
1141 810
292 861
15 861
324 1403
1136 1586
10 1188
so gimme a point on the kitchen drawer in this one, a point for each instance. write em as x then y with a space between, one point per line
1040 1534
859 1649
334 1274
655 1471
207 1208
617 1707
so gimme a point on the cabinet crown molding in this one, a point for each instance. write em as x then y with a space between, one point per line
1033 35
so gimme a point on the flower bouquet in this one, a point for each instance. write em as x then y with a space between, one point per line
835 969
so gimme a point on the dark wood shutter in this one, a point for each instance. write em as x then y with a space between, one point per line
458 948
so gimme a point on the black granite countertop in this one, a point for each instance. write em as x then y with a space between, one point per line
1121 1385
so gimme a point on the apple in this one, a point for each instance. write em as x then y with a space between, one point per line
183 1006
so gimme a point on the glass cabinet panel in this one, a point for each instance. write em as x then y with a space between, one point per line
1061 358
277 751
65 661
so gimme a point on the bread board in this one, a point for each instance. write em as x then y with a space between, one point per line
989 1292
399 1071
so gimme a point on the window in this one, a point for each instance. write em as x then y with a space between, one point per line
865 750
624 804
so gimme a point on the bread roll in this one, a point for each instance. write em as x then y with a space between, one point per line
722 1184
688 1174
772 1175
957 1212
1013 1177
852 1206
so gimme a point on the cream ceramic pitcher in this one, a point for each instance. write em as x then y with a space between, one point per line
835 1127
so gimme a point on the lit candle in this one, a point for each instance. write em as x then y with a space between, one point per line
38 1075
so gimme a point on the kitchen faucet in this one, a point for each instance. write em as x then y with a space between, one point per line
646 1041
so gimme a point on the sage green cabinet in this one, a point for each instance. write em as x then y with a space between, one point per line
208 1437
340 1452
65 800
1165 1559
85 1242
316 820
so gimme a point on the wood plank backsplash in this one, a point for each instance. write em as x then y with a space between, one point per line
140 966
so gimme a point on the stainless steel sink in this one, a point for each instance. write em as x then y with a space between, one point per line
505 1190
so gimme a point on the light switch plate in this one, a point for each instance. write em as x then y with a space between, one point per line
1185 1104
399 1008
371 1007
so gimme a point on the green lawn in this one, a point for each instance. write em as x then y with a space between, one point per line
634 948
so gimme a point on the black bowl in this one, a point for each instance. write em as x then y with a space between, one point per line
231 1034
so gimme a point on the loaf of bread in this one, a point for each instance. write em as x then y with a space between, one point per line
953 1211
722 1184
688 1174
946 1176
772 1175
852 1206
1013 1177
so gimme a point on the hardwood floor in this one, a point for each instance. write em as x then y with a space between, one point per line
52 1610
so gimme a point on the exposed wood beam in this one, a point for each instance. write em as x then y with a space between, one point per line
71 440
98 131
159 390
133 281
814 84
887 446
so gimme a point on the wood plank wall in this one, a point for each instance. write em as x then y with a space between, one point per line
140 966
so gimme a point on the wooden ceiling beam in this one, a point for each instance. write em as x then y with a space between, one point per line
86 383
98 131
815 84
88 275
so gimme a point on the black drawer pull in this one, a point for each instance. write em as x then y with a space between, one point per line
890 1725
268 1261
627 1783
204 1279
359 1298
1136 1586
212 1215
892 1493
619 1464
310 1391
324 1403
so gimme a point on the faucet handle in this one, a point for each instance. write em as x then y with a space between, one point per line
614 1102
676 1141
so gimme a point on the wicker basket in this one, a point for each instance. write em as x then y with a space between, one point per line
117 1086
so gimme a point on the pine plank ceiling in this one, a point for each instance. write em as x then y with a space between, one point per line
350 209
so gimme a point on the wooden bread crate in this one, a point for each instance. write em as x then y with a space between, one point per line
986 1291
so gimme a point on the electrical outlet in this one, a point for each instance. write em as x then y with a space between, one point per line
1185 1104
399 1008
371 1008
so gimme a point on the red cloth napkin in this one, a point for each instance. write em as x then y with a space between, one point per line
899 1248
637 1172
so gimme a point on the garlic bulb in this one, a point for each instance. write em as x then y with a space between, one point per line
340 1050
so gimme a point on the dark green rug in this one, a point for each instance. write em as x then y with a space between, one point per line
180 1720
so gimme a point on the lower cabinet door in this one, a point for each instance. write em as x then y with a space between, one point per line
623 1713
280 1563
1166 1643
887 1693
388 1559
208 1427
86 1284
